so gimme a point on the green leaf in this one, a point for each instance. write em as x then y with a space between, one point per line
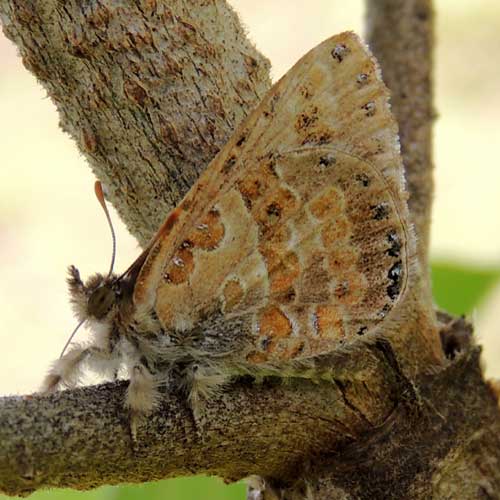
458 288
189 488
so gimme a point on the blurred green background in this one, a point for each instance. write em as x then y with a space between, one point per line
49 219
197 488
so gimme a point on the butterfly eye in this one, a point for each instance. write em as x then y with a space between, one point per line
101 301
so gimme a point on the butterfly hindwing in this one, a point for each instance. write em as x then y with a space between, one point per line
334 266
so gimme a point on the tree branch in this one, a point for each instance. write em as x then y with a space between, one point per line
452 440
81 438
149 90
371 426
400 33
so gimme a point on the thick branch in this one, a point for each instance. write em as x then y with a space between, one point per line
150 93
149 90
400 33
402 440
81 438
451 438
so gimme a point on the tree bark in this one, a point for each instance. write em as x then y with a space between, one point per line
400 33
80 438
150 92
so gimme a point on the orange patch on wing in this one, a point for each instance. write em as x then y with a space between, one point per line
274 324
209 233
276 208
253 186
233 293
250 188
328 322
285 273
180 267
342 258
283 267
336 230
296 349
281 235
257 357
327 205
350 288
272 255
168 224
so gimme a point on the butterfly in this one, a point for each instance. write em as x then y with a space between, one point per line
295 242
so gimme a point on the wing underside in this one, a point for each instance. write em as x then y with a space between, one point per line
300 224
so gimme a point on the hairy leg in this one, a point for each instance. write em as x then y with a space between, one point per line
142 396
66 370
142 392
201 382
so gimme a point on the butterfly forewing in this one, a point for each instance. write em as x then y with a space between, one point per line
299 227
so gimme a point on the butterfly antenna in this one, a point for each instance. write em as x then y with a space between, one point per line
100 197
71 337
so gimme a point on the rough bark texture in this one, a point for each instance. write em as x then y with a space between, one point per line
81 437
150 92
448 437
373 433
400 33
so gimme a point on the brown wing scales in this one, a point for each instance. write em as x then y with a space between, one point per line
335 271
300 223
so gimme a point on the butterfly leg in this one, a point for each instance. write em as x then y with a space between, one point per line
142 392
201 383
142 395
66 370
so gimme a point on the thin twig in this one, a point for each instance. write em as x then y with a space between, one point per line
400 33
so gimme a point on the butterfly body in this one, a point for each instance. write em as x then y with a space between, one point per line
294 243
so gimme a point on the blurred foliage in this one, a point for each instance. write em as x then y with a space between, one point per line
457 289
197 488
193 488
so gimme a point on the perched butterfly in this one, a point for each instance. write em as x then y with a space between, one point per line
295 242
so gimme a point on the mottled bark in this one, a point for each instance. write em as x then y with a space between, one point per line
81 439
400 33
442 445
150 91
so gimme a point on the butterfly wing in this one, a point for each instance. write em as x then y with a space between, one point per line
298 231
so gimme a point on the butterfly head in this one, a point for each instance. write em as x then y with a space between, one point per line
97 299
101 301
